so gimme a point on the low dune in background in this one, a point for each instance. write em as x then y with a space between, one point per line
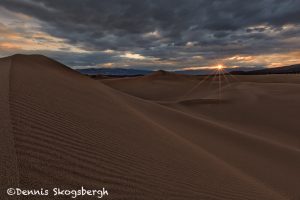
161 136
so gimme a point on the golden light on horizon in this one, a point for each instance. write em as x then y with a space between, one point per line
220 67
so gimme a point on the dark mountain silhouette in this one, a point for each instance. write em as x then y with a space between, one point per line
292 69
114 71
121 72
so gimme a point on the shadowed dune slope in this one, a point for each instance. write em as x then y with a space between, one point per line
263 108
61 129
167 86
156 86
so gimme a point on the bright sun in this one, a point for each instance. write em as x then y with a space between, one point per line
220 67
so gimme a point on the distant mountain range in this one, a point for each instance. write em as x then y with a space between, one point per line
114 71
292 69
212 71
138 72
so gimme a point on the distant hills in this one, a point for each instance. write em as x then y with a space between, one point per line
291 69
137 72
114 71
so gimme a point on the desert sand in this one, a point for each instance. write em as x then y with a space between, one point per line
161 136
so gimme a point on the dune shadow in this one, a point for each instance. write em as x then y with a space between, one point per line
190 102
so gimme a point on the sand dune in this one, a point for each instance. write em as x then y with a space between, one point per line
157 86
161 136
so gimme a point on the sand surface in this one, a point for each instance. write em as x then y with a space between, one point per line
161 136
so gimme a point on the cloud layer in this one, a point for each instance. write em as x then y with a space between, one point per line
153 34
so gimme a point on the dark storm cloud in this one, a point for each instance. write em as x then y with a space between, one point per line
168 29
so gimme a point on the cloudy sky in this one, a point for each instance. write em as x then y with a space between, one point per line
154 34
